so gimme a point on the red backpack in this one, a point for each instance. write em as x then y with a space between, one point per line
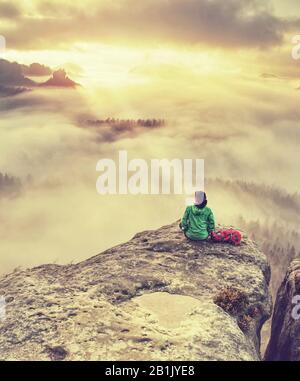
231 236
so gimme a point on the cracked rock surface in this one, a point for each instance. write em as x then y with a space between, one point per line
151 298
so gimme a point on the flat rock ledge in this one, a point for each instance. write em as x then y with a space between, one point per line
156 297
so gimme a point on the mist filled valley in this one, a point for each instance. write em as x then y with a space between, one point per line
51 141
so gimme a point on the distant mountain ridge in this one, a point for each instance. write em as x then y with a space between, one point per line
14 78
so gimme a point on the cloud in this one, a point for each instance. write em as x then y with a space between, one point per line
8 10
9 91
35 69
230 23
11 73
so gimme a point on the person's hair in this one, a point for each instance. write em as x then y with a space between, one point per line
203 197
202 205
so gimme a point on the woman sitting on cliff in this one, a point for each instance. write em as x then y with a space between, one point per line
198 220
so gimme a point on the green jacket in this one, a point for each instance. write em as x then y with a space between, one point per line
198 223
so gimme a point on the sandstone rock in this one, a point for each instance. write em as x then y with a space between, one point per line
152 298
284 343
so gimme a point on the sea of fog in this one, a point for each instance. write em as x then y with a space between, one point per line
247 137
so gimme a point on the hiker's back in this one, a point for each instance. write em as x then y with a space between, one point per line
198 220
198 228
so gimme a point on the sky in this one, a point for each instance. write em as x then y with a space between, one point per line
212 35
221 74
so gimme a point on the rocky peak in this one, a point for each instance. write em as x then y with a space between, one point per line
156 297
59 79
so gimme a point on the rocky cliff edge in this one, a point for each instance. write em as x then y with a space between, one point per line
156 297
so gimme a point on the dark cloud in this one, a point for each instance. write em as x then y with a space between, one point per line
9 91
11 73
8 10
24 101
225 23
230 23
35 69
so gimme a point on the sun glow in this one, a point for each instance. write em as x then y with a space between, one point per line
117 66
